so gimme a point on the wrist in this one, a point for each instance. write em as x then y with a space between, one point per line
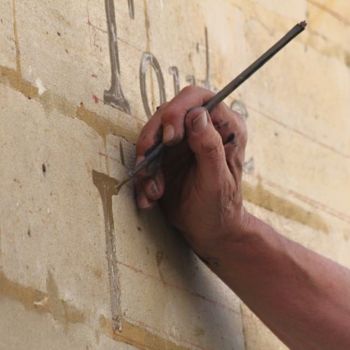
234 230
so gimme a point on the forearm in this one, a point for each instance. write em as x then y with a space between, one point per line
302 297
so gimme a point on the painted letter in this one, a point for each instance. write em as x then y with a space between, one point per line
149 60
114 96
174 71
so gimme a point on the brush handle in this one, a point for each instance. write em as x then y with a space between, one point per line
158 150
154 154
229 88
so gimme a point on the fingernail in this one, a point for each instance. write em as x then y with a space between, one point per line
153 187
200 122
168 133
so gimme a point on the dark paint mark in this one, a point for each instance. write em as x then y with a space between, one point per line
159 260
191 79
114 96
121 153
174 71
131 9
347 59
149 60
207 61
95 98
94 76
107 187
29 233
43 168
58 33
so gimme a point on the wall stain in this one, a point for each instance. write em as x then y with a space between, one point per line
51 101
54 303
262 197
13 79
138 336
40 302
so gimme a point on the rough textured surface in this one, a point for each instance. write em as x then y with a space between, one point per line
81 267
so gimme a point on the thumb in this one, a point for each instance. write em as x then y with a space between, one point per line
206 144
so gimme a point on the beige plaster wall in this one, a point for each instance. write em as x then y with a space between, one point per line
80 266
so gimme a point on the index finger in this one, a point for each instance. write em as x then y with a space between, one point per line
170 118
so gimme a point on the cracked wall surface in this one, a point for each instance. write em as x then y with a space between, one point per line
80 266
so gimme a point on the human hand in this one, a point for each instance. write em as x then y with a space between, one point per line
198 182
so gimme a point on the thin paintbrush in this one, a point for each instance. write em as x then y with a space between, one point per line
222 94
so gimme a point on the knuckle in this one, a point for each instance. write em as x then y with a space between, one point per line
170 114
161 107
212 148
144 142
189 89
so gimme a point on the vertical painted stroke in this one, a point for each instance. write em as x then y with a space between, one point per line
131 9
107 188
114 96
174 71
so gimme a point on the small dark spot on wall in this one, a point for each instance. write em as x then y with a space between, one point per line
276 133
29 98
98 273
43 168
66 51
58 33
94 75
139 228
29 233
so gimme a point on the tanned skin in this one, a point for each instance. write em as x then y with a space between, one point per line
303 297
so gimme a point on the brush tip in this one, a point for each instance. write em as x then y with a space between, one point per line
303 24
